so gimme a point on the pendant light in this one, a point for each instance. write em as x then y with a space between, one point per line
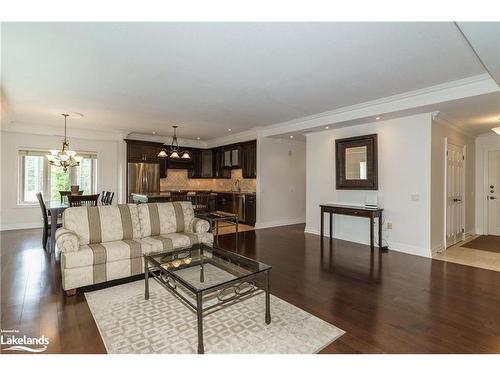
174 152
64 158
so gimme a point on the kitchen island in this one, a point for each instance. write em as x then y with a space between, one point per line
241 203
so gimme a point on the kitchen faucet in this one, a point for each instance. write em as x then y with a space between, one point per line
237 184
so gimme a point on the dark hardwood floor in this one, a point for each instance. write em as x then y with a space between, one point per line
387 302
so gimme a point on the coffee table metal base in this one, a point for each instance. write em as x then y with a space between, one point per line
164 280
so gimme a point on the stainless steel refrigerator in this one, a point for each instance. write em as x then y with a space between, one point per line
143 178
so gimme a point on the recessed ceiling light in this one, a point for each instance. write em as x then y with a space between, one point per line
198 138
496 130
291 137
154 132
229 129
377 118
327 127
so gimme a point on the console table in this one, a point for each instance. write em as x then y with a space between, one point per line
360 211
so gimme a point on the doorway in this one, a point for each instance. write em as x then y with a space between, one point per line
455 188
493 193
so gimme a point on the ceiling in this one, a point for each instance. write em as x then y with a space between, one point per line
208 77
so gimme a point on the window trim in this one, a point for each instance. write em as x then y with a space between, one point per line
21 171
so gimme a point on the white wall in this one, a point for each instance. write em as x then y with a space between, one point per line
484 144
441 131
404 170
13 216
281 182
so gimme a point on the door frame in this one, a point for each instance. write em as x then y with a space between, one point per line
464 196
486 177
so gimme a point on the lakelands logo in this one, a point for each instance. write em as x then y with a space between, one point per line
14 341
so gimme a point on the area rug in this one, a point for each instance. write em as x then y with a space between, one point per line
130 324
485 243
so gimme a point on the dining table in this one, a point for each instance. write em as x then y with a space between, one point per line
55 208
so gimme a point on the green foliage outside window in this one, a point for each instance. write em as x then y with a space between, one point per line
59 180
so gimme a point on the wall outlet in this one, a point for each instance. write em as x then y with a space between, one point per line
389 225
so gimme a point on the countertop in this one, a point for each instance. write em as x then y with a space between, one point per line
166 193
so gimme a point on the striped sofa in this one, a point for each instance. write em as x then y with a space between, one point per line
105 243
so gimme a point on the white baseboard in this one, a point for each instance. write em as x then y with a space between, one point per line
394 246
16 226
312 231
279 223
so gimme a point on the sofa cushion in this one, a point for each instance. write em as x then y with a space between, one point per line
106 252
103 223
165 218
172 241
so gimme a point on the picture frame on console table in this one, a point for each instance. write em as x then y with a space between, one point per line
356 163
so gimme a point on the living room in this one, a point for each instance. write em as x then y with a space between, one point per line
250 188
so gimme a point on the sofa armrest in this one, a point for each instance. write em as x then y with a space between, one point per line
199 226
67 240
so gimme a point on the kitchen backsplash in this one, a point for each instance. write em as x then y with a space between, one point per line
177 179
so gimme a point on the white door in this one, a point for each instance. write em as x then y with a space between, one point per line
455 187
493 193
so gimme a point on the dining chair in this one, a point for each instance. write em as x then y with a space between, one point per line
109 198
47 224
201 202
176 196
83 200
65 193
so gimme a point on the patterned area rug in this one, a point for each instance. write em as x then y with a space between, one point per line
130 324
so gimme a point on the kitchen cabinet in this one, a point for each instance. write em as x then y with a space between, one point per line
142 152
249 159
232 156
181 163
207 164
250 209
212 203
225 202
202 164
196 168
163 167
218 170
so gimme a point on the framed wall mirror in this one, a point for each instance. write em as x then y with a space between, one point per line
356 164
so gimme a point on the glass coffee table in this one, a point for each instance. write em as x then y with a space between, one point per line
216 217
207 278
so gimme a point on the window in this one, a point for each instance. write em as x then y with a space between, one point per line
36 174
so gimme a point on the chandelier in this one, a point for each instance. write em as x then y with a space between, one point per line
64 158
174 149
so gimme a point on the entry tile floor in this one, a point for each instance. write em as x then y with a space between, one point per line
470 257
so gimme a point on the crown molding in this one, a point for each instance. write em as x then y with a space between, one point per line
243 136
183 142
471 86
58 131
442 119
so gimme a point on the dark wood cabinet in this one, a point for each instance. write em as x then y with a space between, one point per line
225 202
203 166
163 167
219 171
249 159
207 165
212 203
181 163
250 209
232 156
196 166
204 163
142 152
